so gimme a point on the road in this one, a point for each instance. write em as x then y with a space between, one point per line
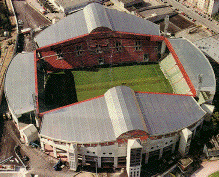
206 169
199 19
30 17
39 163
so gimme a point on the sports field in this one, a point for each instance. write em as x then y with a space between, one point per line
145 78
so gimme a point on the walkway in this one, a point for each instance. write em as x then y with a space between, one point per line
207 168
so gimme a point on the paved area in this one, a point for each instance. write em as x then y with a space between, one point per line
34 4
207 169
191 13
199 34
30 17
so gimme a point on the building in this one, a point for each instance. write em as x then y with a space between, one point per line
29 134
68 6
209 7
122 126
128 4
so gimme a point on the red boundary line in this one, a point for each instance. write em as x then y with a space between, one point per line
153 37
41 114
36 83
185 75
61 42
157 93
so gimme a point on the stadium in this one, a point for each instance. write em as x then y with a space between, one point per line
105 88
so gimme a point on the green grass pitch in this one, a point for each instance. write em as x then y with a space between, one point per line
144 78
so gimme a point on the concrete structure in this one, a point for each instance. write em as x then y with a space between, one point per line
68 6
185 140
134 156
29 134
121 126
124 4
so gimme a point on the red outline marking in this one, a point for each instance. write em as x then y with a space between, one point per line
41 114
185 75
163 93
152 37
36 83
61 42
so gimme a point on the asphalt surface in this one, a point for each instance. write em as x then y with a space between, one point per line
39 162
30 17
191 13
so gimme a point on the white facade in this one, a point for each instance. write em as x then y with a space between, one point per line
133 162
208 6
29 134
185 140
117 155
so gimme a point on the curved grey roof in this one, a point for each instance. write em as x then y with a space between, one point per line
195 63
210 46
97 120
20 83
121 110
124 111
91 17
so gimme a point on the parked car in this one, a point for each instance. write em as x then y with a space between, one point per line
57 166
26 158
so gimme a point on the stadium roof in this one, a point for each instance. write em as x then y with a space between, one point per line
91 17
20 83
165 113
121 110
195 63
209 46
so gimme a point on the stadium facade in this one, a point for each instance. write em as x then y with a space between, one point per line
122 127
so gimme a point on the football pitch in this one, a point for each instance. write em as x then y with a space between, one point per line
143 78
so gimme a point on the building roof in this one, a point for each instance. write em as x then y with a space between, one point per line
29 130
210 46
84 122
124 111
70 3
119 111
195 63
20 83
166 113
91 17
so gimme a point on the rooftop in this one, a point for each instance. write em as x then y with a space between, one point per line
121 110
72 3
195 64
20 84
91 17
210 46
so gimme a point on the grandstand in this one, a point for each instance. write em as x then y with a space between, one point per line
174 75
